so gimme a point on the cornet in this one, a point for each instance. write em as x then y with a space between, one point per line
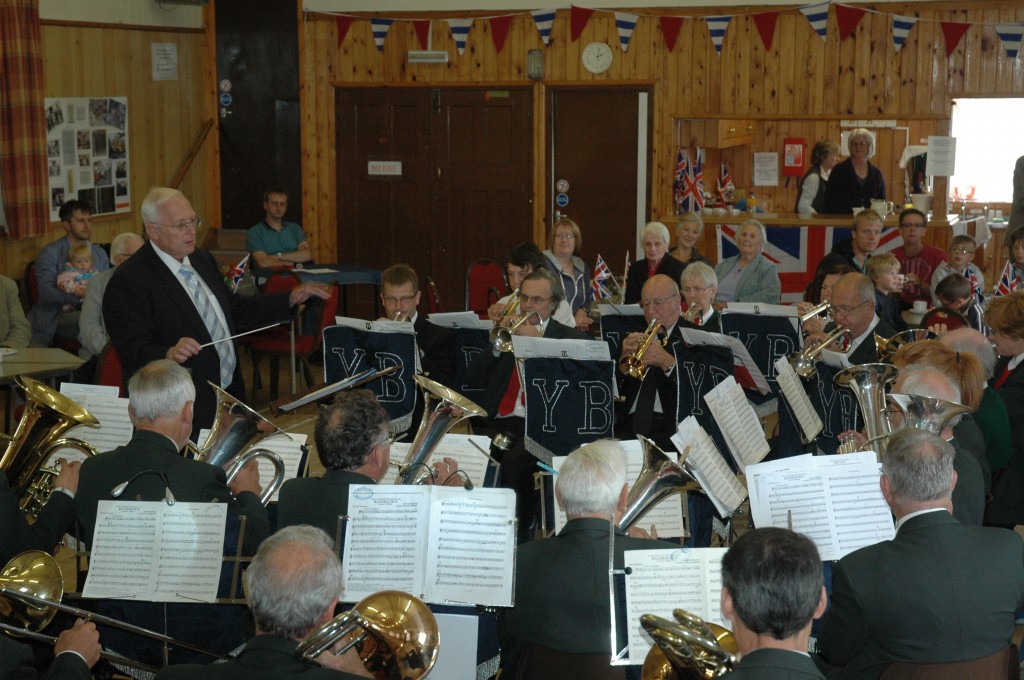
634 363
511 308
693 312
820 308
501 336
803 362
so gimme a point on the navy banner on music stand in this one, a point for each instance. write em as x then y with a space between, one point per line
615 327
766 337
468 343
836 406
699 369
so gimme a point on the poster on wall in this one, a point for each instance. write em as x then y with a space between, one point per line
87 153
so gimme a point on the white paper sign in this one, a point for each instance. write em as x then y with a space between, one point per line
766 169
941 156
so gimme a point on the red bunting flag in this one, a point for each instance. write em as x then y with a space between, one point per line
670 29
847 18
499 31
953 31
422 28
765 23
344 23
578 18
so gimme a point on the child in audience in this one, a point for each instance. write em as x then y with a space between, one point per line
955 293
961 261
77 271
884 272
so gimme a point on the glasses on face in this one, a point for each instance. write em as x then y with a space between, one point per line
912 225
694 290
842 310
536 299
404 300
566 237
658 302
961 251
184 225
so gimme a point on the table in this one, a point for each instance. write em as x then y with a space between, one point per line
343 275
36 362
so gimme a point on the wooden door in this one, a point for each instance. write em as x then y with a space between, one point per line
463 191
598 143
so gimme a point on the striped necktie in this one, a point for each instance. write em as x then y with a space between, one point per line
225 350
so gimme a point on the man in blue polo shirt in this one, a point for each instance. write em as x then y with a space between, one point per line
274 242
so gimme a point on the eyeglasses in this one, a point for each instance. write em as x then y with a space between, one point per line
658 302
536 299
846 311
184 225
961 251
404 300
912 225
566 237
695 290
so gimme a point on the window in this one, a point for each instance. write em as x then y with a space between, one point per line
986 148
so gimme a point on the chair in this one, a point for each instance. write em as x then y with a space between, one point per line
481 276
434 305
537 662
1003 665
277 282
108 368
29 287
276 343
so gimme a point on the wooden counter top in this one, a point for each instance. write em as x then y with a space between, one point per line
799 220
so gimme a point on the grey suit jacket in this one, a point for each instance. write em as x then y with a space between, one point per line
759 282
939 592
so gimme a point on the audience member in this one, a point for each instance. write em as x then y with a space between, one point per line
824 157
77 271
656 260
1013 270
273 241
688 230
564 246
954 294
961 261
92 333
917 260
15 330
749 276
884 272
863 241
855 182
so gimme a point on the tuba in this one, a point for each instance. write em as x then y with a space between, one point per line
659 478
443 409
927 413
803 362
47 417
232 441
868 383
634 364
687 648
399 638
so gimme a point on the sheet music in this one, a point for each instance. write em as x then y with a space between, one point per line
459 320
471 554
739 423
154 552
667 515
386 540
837 359
290 449
525 347
79 391
715 477
377 325
793 390
458 447
115 427
663 580
741 356
838 506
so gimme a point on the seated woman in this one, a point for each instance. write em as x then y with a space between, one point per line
855 182
688 231
657 261
748 277
564 245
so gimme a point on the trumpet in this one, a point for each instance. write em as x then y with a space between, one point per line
634 363
501 336
803 362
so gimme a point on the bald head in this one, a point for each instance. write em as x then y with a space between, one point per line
660 300
853 302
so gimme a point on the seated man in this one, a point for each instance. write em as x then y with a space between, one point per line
92 332
14 327
274 242
55 519
863 241
939 592
772 590
853 306
561 596
523 260
699 286
76 651
293 586
160 407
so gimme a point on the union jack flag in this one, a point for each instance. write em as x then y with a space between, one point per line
238 272
724 185
602 273
1009 281
679 179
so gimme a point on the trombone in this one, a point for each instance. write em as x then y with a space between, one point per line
634 363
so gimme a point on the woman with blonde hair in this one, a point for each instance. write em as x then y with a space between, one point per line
564 244
688 231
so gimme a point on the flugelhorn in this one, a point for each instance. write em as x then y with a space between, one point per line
634 363
399 638
443 409
803 362
868 383
47 417
232 441
687 648
501 336
659 478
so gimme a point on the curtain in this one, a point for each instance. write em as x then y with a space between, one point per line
23 169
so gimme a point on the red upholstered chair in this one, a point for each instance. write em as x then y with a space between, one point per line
1003 665
434 305
481 277
108 368
277 282
275 343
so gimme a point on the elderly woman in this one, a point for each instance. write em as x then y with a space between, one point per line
812 188
657 261
748 277
688 231
699 287
564 243
854 183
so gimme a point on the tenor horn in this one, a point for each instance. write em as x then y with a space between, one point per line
236 431
803 362
687 648
47 417
868 383
887 347
927 413
659 478
399 638
634 363
443 409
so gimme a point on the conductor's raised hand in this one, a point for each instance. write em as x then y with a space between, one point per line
183 350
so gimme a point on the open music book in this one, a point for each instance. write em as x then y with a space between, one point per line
738 422
795 395
444 544
102 402
834 500
722 487
658 581
150 551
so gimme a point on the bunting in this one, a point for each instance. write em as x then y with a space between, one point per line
422 28
717 27
625 23
1011 35
460 31
847 19
953 31
901 26
578 18
670 30
817 16
543 18
380 31
765 23
344 23
499 31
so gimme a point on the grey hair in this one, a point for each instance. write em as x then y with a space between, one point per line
153 201
591 478
656 229
293 578
701 271
120 243
160 389
756 223
865 133
927 381
970 341
545 274
918 465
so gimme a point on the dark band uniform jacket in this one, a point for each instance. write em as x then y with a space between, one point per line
44 534
264 657
318 502
16 662
775 664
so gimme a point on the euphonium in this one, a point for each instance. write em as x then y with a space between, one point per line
232 441
399 638
868 383
443 409
887 347
659 478
634 363
803 362
687 648
501 336
927 413
48 415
